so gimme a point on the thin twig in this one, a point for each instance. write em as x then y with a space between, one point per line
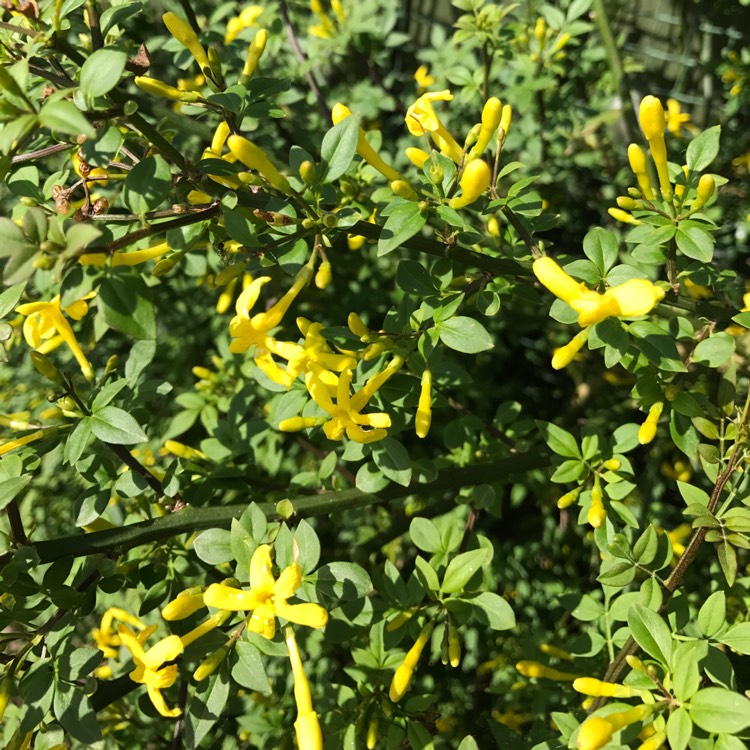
97 41
40 153
300 55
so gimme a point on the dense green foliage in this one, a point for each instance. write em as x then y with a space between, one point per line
297 446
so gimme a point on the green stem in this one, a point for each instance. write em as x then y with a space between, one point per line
190 519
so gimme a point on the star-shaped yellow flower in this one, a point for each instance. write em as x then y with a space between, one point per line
107 639
149 669
421 118
267 597
45 327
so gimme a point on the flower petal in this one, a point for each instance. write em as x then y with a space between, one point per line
309 614
167 649
249 296
220 596
161 705
260 568
288 582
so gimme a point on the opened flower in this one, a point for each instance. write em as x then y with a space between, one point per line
45 327
151 667
633 298
421 118
267 597
107 639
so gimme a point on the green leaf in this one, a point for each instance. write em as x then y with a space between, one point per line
461 569
10 488
714 351
248 670
424 535
114 425
679 729
468 743
601 248
308 546
405 221
147 185
560 441
12 241
657 345
63 116
695 243
495 610
720 710
393 460
692 494
646 547
101 72
78 440
737 637
651 633
728 561
426 574
214 546
74 712
712 614
617 575
702 150
342 580
126 304
206 707
414 278
339 146
74 663
464 335
686 677
9 299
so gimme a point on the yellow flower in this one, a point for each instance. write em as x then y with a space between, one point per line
637 160
563 356
676 118
424 409
594 734
421 118
475 179
491 115
633 298
597 514
107 639
345 416
185 35
653 123
247 19
647 431
599 689
423 78
45 319
535 669
150 670
267 597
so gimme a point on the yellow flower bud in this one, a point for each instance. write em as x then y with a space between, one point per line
356 326
295 424
402 676
594 734
182 32
474 182
254 53
629 204
165 265
655 741
679 190
562 41
208 666
323 275
647 431
255 158
599 689
159 88
568 498
373 734
493 226
424 409
491 114
403 190
540 31
612 464
652 118
706 188
505 120
623 216
550 650
417 156
597 514
637 160
220 136
454 645
535 669
564 355
185 604
307 172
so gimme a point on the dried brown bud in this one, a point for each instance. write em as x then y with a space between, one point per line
79 216
62 205
101 206
80 140
56 190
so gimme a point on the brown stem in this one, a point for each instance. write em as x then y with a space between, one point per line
40 153
92 12
300 55
19 29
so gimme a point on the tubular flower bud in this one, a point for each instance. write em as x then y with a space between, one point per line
214 621
612 464
182 32
653 124
221 134
373 734
563 356
594 733
417 156
254 157
323 275
599 689
558 653
454 645
597 514
306 727
404 190
356 326
254 53
535 669
424 409
568 498
706 188
364 149
208 666
636 664
540 31
44 366
637 160
307 172
647 431
403 675
655 741
493 226
619 215
421 118
491 114
562 41
505 121
679 190
186 603
474 182
627 203
631 716
159 88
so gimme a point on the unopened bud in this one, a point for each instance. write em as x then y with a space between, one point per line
44 366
